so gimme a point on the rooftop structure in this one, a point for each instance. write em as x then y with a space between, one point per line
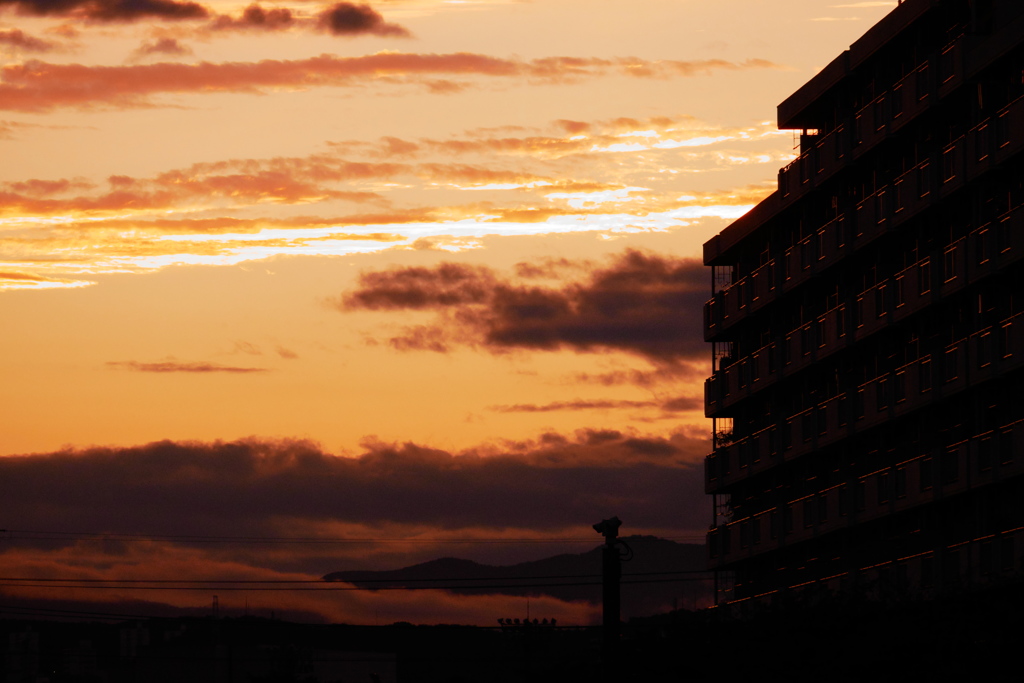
866 324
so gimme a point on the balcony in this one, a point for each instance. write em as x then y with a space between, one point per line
987 145
977 462
985 355
987 249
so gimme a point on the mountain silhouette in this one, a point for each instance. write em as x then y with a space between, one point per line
659 577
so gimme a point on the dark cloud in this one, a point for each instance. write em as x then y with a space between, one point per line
163 46
174 366
255 17
249 487
41 86
286 353
110 10
673 405
348 19
643 303
684 403
448 284
17 38
571 405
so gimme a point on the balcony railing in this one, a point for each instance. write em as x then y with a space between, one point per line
986 249
939 473
986 354
989 143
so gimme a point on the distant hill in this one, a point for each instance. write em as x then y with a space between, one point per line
651 581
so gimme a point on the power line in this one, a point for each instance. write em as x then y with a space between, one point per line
321 581
347 588
38 535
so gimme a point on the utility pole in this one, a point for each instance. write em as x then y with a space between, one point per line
611 573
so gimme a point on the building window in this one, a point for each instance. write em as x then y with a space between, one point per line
926 473
900 482
860 495
882 394
1006 553
841 322
744 534
951 466
927 571
984 349
755 530
986 454
949 164
844 500
883 488
985 557
981 246
921 82
896 101
880 300
881 206
924 185
947 64
808 513
949 365
822 508
1006 447
858 403
924 375
982 142
773 524
1005 341
924 277
787 519
878 112
949 264
899 387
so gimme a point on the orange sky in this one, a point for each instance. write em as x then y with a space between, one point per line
471 228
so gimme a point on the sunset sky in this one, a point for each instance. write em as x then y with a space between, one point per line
413 274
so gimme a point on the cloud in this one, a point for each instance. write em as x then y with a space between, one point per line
174 366
255 17
20 40
286 353
197 510
348 19
12 280
42 86
571 405
246 487
162 46
447 284
109 10
642 303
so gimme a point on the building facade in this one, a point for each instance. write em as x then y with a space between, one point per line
866 324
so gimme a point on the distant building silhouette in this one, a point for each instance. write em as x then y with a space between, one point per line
867 325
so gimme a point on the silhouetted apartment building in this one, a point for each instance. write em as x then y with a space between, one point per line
867 326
